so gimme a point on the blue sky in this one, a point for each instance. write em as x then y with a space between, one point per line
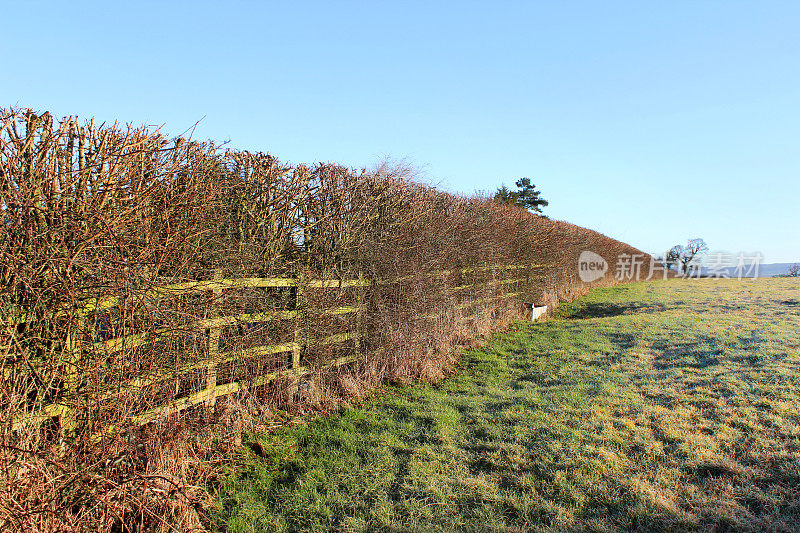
652 122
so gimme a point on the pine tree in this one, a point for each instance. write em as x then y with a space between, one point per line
526 196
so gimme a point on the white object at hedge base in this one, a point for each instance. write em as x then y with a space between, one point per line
538 312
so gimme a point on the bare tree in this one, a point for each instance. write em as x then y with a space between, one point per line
685 256
672 257
794 270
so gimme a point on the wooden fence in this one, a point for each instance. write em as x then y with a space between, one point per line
212 328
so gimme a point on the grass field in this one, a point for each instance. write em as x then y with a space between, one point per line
673 405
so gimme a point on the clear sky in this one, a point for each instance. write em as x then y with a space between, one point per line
651 122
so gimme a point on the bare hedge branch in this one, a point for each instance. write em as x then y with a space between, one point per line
99 221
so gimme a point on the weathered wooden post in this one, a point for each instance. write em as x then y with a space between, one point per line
214 333
70 384
360 314
299 331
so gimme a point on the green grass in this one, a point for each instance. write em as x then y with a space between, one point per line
665 406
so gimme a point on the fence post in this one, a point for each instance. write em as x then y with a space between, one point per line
360 313
299 333
213 346
70 387
528 275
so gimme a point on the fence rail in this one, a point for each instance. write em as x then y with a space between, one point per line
213 327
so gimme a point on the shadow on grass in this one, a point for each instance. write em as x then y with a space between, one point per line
604 309
699 353
623 341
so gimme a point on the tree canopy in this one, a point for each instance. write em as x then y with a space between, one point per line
526 196
686 256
